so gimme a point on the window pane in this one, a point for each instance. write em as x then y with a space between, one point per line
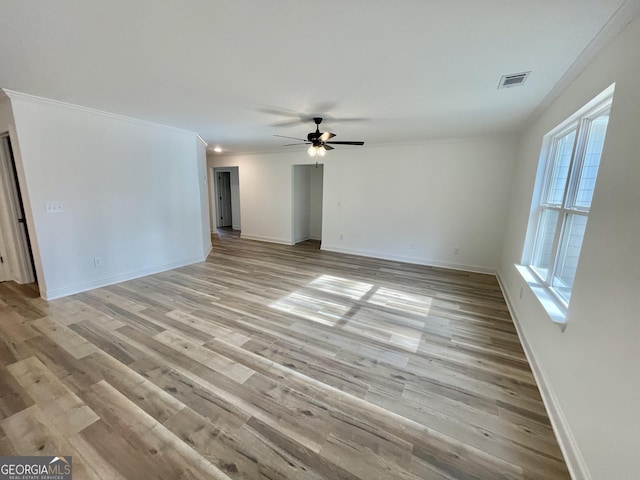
592 154
543 247
570 245
561 162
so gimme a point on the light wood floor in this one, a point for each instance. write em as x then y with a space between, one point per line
275 362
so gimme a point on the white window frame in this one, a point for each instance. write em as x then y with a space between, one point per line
555 304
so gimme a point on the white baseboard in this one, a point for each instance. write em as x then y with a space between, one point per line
260 238
414 260
58 292
568 445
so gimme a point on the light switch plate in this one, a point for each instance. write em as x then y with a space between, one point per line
53 207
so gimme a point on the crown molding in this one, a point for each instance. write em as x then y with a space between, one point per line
26 97
623 16
507 136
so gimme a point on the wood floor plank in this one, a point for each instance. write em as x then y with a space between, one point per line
30 432
106 341
14 328
170 457
198 398
6 448
13 397
156 402
240 452
234 370
65 410
95 463
71 371
276 362
73 343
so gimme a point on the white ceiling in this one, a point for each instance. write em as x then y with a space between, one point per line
233 70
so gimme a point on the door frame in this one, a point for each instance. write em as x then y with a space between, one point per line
5 271
219 200
235 198
13 218
295 188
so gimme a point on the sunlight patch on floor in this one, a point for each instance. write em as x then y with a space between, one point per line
408 302
315 309
341 286
350 312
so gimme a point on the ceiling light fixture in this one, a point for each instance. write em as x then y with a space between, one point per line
316 151
217 149
319 142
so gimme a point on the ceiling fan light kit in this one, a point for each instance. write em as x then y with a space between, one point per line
318 141
317 151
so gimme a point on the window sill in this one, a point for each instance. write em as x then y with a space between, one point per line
555 309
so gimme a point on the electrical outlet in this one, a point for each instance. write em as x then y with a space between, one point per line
97 261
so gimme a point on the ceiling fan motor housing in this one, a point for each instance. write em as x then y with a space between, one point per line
314 136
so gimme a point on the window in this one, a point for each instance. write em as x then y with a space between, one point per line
569 167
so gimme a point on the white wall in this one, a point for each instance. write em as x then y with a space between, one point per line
131 193
315 208
417 203
385 199
301 202
265 189
589 373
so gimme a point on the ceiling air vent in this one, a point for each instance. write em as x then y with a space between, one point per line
513 80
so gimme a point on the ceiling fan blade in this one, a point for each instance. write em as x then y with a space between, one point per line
290 144
327 147
326 136
348 119
293 138
346 143
281 112
287 123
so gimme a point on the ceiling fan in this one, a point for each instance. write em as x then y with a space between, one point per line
318 141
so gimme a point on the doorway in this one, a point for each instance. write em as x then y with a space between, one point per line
16 254
307 202
224 200
226 195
